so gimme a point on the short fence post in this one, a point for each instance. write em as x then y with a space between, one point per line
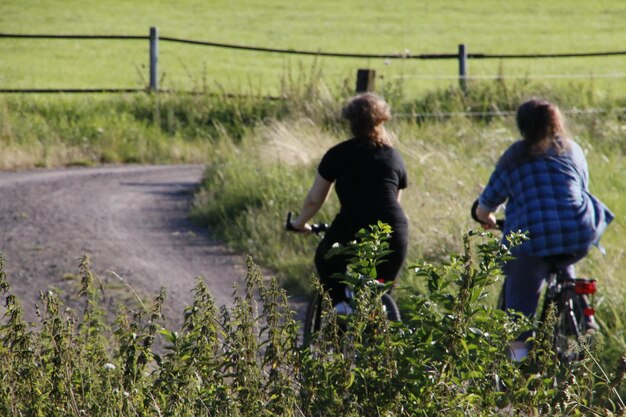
154 58
365 80
463 67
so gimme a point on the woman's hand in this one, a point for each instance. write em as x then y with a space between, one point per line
487 218
490 223
301 227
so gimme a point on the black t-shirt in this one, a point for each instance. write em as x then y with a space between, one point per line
367 179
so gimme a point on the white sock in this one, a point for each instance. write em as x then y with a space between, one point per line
518 353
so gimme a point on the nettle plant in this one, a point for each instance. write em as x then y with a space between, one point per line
450 353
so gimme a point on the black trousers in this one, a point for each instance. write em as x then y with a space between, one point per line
387 270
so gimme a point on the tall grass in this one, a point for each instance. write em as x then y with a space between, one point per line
56 131
448 158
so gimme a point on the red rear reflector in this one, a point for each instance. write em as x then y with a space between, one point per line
585 286
588 312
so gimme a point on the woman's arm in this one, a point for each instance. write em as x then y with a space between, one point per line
314 200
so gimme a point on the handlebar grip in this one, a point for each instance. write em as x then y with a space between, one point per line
288 226
473 211
316 228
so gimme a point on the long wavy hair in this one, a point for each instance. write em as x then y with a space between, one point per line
366 114
542 127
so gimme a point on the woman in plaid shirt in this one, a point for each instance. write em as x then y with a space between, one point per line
544 180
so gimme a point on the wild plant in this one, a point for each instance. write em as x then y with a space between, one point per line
20 372
450 353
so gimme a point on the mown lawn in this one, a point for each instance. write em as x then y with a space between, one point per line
354 26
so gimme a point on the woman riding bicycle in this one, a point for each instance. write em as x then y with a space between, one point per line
369 175
544 180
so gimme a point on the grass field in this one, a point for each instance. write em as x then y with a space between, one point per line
490 27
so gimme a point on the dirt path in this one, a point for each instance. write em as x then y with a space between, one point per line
132 220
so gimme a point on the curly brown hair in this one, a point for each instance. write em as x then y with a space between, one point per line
542 126
366 114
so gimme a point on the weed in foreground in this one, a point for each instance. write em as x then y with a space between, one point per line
246 360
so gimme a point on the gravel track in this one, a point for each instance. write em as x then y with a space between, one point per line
132 220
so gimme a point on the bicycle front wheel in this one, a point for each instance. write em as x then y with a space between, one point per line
313 316
391 308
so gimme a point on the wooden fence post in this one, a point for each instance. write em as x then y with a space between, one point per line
154 58
365 80
463 67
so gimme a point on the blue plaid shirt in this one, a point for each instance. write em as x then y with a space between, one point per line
548 197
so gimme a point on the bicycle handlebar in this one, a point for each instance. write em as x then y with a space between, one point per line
499 222
316 228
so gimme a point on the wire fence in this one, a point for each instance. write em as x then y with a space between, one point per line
498 113
403 55
462 56
516 76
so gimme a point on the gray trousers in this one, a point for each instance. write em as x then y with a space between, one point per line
525 276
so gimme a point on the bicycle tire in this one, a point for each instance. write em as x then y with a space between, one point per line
312 320
570 326
391 308
313 317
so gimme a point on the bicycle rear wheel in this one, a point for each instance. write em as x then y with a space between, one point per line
570 326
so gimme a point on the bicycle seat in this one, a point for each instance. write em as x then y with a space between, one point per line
563 259
559 263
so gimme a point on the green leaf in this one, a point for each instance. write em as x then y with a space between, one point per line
169 335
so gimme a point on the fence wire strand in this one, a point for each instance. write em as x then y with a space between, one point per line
500 113
513 76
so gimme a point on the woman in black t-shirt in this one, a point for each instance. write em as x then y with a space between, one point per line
369 175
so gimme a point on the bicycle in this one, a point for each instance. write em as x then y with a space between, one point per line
313 317
569 297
